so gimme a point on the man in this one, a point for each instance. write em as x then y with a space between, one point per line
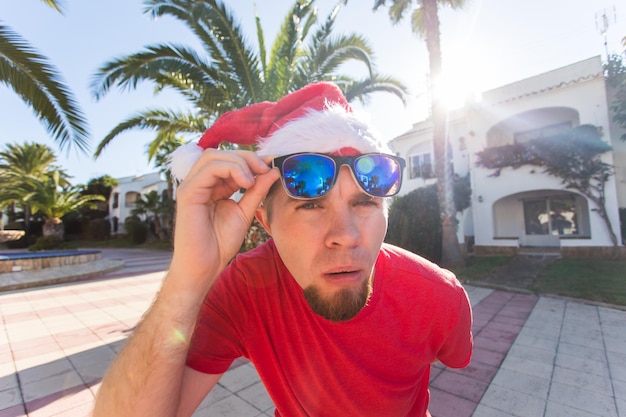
336 322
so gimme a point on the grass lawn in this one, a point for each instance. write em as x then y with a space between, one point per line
595 280
479 267
587 279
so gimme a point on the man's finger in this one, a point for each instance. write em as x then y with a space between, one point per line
253 196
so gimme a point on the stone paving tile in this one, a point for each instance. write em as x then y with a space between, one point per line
450 405
580 398
485 411
230 406
458 392
15 411
217 393
563 359
257 394
577 378
560 410
239 378
464 386
554 348
66 402
517 403
10 397
523 383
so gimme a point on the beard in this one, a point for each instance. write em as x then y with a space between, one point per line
340 306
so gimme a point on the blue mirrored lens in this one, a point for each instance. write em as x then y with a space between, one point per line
308 176
378 175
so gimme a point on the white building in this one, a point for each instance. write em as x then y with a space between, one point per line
125 194
519 208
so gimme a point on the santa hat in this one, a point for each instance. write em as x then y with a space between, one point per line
316 118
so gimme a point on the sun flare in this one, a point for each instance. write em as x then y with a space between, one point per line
465 75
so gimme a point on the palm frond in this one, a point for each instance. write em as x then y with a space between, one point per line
162 121
399 8
418 23
164 143
332 54
217 20
55 4
230 74
261 40
154 62
39 84
287 49
220 35
363 89
326 29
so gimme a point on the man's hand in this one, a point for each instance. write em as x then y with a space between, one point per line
147 376
210 226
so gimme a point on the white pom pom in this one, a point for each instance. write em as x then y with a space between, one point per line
183 158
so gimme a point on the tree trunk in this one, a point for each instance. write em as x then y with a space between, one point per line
601 209
54 228
171 213
27 215
450 248
158 228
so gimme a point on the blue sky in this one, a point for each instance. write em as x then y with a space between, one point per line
487 44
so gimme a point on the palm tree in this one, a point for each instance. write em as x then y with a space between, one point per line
55 4
229 73
150 204
35 80
160 152
425 23
21 165
103 186
54 200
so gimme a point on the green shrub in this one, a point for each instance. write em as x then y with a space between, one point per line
47 243
137 232
99 229
414 223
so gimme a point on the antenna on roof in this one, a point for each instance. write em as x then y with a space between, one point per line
604 19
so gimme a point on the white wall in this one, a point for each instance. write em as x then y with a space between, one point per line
576 92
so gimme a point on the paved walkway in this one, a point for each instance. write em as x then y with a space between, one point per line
533 356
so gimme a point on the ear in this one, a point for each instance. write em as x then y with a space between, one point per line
261 217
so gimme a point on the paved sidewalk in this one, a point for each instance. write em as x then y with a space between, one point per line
533 357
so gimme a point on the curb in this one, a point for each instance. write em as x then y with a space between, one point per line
484 284
58 275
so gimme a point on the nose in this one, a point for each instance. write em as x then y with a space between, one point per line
342 228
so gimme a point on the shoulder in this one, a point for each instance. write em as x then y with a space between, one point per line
405 261
401 264
259 267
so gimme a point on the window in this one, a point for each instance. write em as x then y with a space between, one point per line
551 216
542 132
131 199
420 166
116 200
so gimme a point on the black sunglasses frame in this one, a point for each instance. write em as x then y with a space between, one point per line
339 161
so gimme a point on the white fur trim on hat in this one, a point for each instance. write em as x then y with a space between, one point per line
324 131
183 158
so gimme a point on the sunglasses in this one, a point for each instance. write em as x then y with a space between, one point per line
310 175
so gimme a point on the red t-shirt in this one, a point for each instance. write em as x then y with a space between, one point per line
376 364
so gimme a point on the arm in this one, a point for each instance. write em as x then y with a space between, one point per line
457 350
149 376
